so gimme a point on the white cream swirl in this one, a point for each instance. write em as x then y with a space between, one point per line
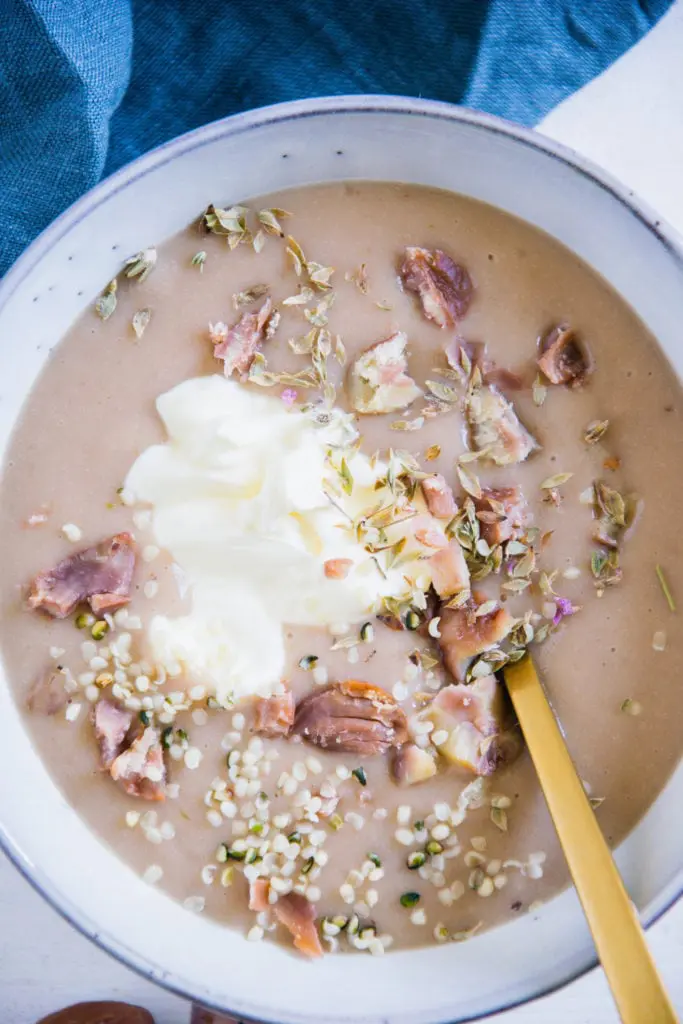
238 501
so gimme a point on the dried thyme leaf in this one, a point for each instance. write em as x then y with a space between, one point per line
142 264
595 431
318 315
259 374
521 635
481 668
598 560
339 351
482 453
485 609
525 566
223 221
553 497
359 277
408 425
303 296
596 801
483 548
443 392
305 379
605 567
499 818
515 586
492 560
303 346
296 254
630 706
539 390
610 503
198 260
468 481
384 305
665 588
345 643
106 304
543 632
432 452
236 239
468 933
465 362
435 408
555 481
346 477
545 583
258 241
140 321
249 295
270 219
393 555
428 660
320 350
458 600
322 343
319 275
230 223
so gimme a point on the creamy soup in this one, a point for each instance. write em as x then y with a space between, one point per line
289 717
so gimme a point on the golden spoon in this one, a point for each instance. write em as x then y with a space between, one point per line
619 938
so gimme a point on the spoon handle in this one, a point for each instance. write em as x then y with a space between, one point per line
613 921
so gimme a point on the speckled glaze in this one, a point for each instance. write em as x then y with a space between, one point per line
295 144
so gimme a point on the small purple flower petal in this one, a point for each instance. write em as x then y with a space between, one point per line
289 396
564 608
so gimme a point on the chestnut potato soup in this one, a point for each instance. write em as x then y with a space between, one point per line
276 514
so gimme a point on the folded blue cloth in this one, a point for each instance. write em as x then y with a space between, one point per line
87 85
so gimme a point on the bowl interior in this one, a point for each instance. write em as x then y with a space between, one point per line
315 141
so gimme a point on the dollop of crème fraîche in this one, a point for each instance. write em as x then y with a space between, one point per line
249 499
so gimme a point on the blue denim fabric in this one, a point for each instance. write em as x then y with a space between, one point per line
87 85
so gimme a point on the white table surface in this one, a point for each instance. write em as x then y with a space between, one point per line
631 121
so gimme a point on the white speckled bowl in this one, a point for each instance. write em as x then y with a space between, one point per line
312 141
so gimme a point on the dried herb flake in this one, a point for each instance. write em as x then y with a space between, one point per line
595 431
359 277
539 390
443 392
555 481
142 264
665 588
346 477
249 295
270 219
468 481
106 304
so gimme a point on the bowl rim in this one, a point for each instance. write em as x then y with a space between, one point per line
196 139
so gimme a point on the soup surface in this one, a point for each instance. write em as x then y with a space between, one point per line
283 547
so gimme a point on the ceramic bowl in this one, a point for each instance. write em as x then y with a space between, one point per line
294 144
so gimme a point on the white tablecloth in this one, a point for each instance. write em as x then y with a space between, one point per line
631 121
